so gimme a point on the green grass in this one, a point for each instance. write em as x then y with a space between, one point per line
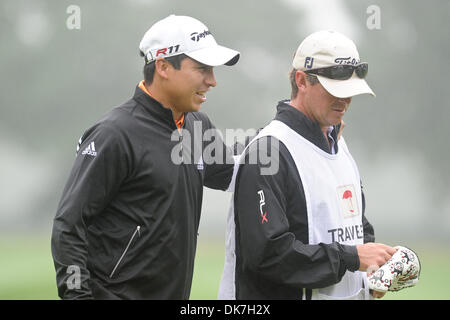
208 270
27 271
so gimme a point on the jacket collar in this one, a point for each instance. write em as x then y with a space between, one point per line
305 127
154 107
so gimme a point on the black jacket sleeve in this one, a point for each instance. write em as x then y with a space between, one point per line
218 158
272 245
369 232
100 166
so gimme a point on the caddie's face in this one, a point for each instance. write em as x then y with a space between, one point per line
189 85
324 108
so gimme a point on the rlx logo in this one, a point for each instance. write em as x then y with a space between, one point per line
262 202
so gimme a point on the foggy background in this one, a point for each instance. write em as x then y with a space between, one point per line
56 82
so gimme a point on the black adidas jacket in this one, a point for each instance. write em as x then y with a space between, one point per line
278 263
126 225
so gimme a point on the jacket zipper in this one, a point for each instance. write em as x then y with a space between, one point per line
181 139
137 231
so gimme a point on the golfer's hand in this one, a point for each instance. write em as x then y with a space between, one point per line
373 255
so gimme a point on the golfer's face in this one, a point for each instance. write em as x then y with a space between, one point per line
326 109
190 84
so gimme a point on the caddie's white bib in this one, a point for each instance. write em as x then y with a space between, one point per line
332 190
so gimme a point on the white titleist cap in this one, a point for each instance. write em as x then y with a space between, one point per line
176 35
329 48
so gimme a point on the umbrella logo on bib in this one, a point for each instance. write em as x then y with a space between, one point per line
348 195
348 201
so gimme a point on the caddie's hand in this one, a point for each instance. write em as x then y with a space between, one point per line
374 293
377 294
373 255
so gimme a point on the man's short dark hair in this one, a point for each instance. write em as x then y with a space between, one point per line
149 69
310 78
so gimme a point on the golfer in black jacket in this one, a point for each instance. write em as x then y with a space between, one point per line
126 225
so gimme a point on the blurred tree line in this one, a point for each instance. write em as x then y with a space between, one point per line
56 82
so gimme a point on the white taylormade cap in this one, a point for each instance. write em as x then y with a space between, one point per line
329 48
176 35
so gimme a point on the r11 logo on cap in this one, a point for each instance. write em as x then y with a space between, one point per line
172 49
309 62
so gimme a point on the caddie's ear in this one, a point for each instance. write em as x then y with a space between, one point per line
162 67
300 79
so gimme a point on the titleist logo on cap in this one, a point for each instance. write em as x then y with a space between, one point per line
347 60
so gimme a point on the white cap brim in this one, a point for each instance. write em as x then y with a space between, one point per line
215 56
346 88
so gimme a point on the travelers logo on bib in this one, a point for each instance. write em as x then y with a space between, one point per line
348 201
